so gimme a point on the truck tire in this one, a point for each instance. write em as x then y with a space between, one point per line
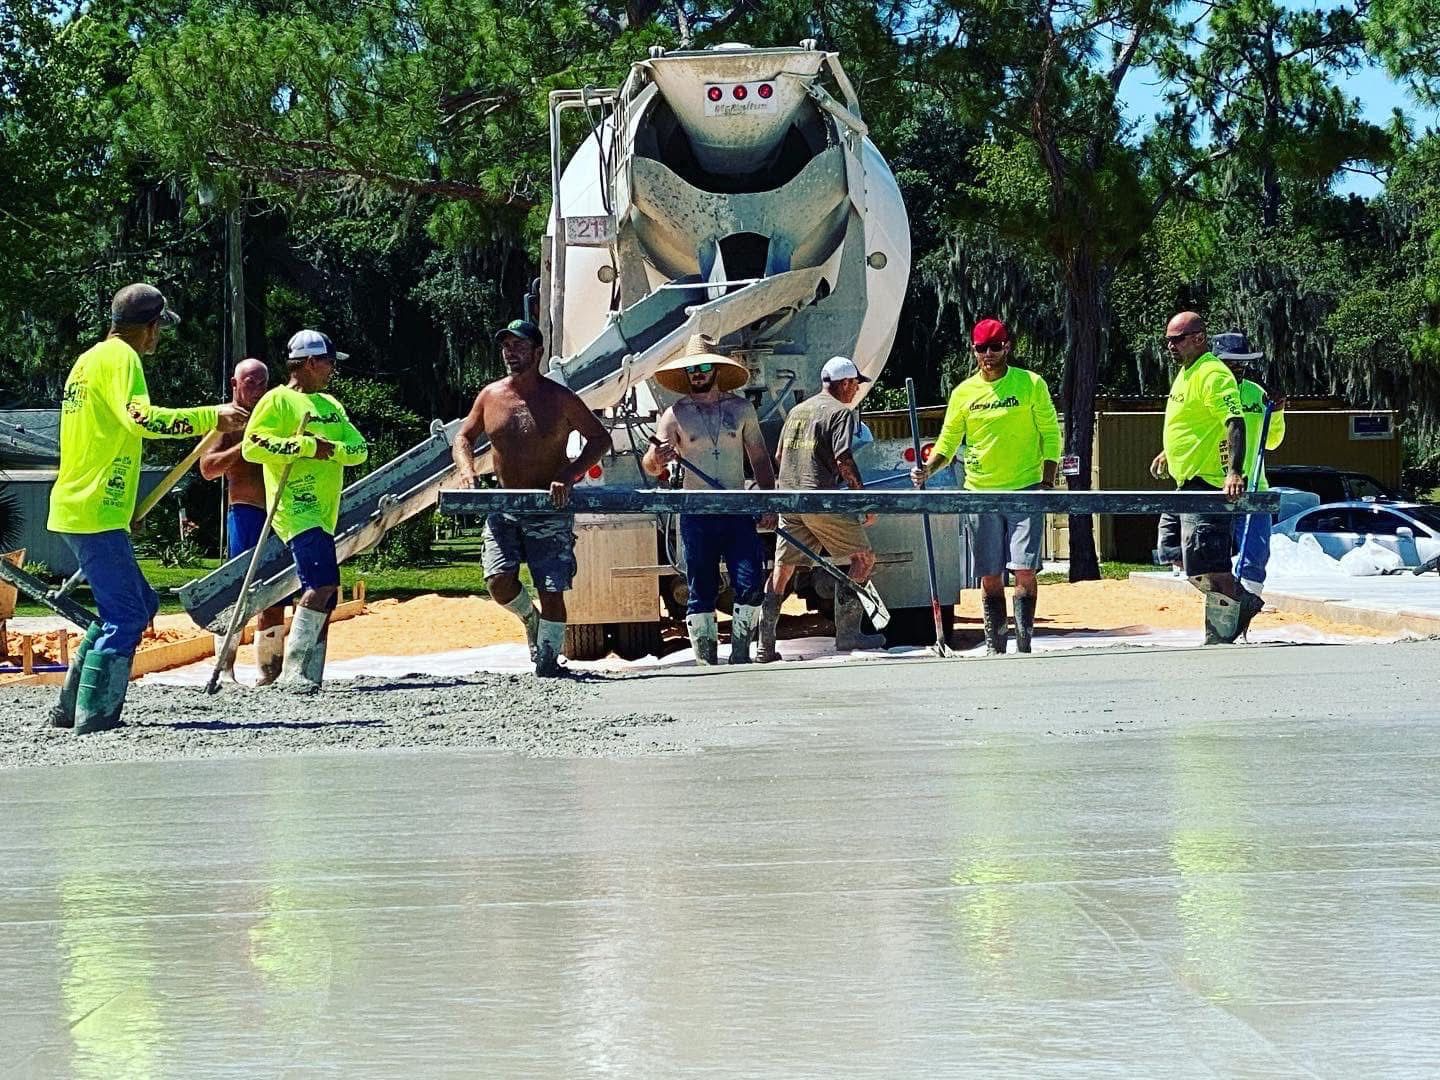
916 626
585 641
635 640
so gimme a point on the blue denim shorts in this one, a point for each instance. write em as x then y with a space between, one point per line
242 528
315 563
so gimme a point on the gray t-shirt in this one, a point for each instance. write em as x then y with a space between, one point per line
816 432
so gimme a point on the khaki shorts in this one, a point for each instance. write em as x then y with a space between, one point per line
841 535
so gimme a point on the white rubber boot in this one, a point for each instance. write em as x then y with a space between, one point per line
742 627
848 614
549 645
704 638
304 665
523 608
270 653
227 669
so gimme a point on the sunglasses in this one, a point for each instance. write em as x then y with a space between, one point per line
700 369
1175 339
992 347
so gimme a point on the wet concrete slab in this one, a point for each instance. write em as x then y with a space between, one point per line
1214 863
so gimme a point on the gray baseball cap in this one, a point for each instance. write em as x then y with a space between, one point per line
140 305
313 343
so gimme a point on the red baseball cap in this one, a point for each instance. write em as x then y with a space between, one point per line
989 330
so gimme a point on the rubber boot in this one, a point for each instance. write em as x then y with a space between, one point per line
848 614
1222 619
995 636
1250 606
769 624
270 653
1024 605
304 665
227 670
549 646
523 608
103 682
742 629
62 713
704 638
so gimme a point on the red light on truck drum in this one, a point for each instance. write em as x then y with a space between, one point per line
595 472
765 90
740 93
714 93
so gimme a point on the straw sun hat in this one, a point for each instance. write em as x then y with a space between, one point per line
729 374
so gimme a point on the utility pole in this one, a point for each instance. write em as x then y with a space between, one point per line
234 305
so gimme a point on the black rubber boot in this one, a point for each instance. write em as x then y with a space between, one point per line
1250 606
1024 604
769 624
995 636
62 713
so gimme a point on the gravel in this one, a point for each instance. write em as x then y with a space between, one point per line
512 713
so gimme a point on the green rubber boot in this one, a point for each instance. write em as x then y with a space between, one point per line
103 682
62 713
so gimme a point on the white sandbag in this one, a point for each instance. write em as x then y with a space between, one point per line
1311 558
1370 559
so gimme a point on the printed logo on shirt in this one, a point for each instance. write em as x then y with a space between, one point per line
1010 402
276 446
73 400
177 426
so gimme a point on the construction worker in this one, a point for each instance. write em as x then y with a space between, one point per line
1006 420
245 516
303 439
1252 531
1204 450
105 415
529 420
816 454
717 430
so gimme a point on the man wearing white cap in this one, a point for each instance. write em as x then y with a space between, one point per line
815 454
105 416
298 427
717 430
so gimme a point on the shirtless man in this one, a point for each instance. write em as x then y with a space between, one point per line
717 430
528 420
245 497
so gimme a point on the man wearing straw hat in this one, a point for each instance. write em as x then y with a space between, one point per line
718 430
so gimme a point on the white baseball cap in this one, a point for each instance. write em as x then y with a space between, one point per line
313 343
838 368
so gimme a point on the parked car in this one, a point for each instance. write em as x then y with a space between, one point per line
1409 529
1330 484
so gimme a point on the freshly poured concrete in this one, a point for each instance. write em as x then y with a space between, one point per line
1136 864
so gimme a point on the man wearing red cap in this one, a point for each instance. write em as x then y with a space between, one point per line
1004 417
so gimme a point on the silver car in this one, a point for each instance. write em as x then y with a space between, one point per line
1411 530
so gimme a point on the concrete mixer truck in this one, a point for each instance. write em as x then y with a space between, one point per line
732 192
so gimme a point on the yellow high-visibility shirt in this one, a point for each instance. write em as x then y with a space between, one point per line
1203 398
105 415
274 439
1009 429
1252 404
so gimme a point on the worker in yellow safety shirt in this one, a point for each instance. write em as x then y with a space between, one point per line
1204 450
303 439
1252 531
105 416
1006 420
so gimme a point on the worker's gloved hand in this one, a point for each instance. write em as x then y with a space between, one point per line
323 449
1160 468
231 418
918 476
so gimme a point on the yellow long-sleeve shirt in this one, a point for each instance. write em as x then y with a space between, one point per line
1008 427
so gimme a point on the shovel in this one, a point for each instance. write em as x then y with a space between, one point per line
870 601
941 646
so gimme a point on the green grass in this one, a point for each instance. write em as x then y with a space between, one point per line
1108 570
455 572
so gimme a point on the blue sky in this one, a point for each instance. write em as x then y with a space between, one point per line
1378 94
